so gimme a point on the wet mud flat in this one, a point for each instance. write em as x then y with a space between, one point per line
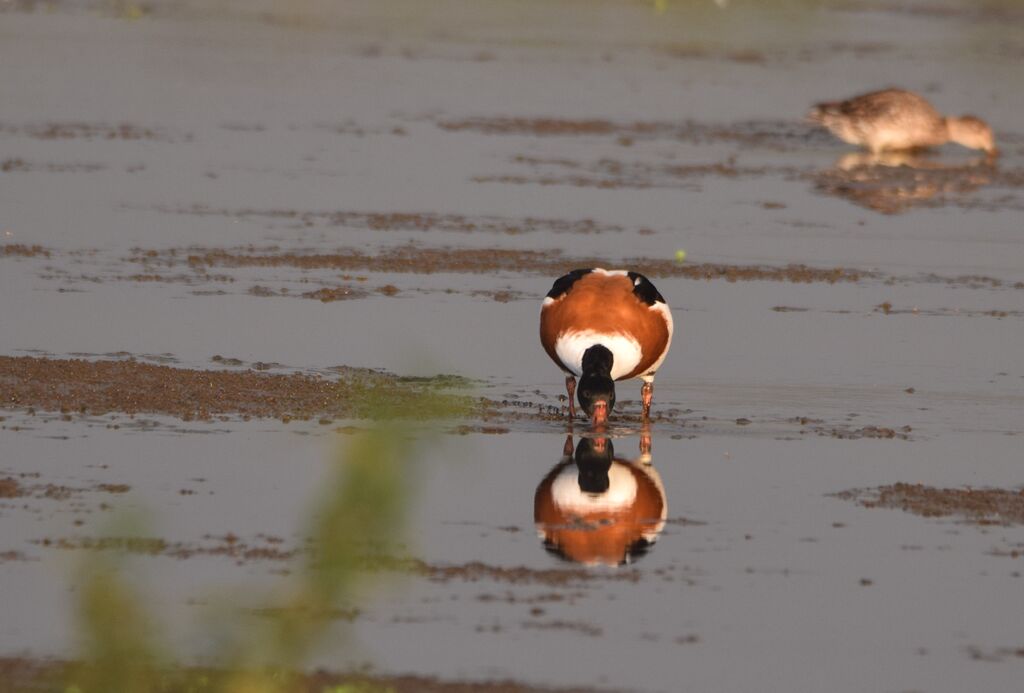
273 271
122 390
835 435
23 674
431 260
480 568
975 506
95 388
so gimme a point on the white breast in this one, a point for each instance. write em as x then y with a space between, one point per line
570 345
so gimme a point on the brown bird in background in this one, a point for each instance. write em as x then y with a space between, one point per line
895 119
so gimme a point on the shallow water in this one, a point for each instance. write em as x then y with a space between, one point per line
199 128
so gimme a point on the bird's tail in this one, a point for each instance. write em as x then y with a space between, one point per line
820 111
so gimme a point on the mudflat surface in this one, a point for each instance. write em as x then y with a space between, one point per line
230 234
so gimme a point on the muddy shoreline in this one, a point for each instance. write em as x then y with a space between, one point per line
418 259
26 674
86 389
976 506
76 387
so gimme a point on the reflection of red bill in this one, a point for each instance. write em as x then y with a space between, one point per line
600 415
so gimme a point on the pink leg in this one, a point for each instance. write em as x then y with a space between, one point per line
647 394
645 440
570 388
568 448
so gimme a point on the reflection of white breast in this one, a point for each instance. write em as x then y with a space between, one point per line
567 495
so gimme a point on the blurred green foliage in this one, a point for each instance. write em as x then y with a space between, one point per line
361 515
117 633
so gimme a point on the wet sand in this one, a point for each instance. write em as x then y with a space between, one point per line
836 433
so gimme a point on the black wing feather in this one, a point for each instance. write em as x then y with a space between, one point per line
645 290
565 282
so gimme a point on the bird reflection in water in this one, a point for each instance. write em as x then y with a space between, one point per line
598 509
895 182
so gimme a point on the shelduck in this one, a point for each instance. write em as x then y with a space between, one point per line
603 325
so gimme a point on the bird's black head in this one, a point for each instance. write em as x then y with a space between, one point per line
596 391
593 459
